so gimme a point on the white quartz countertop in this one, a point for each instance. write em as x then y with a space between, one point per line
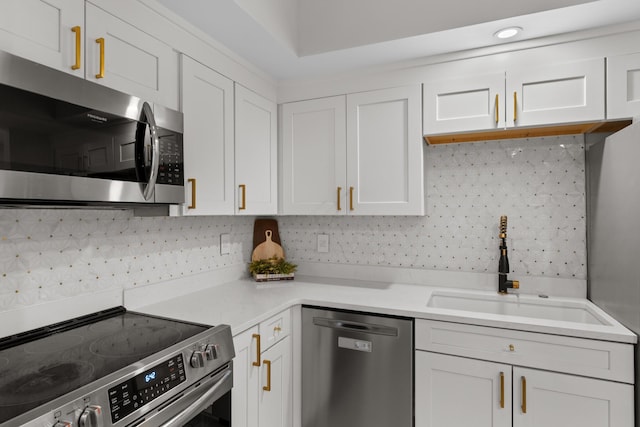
244 303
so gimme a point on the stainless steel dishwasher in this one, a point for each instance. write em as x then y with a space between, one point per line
357 369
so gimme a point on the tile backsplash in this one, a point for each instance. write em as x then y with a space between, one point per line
538 183
49 254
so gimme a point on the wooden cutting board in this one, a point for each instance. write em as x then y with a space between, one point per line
267 249
266 246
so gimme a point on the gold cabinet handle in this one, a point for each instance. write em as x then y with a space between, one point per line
512 347
339 191
523 380
515 106
350 198
497 112
100 41
78 32
502 390
192 181
243 204
277 329
257 338
268 365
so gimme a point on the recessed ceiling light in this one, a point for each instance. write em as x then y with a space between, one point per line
507 33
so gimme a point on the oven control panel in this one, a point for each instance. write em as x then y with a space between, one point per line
130 395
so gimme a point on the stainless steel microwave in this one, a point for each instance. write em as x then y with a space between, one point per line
67 141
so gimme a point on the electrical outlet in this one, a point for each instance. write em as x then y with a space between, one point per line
225 244
323 243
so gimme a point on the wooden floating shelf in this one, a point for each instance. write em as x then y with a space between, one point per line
532 132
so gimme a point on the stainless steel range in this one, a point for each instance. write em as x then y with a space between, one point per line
117 368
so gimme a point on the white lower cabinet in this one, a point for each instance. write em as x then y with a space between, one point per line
551 399
457 389
262 384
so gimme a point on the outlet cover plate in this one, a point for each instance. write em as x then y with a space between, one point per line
225 244
323 243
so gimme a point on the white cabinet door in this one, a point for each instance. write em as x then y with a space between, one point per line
133 62
558 400
454 391
314 156
465 104
384 152
256 148
559 93
207 104
246 379
623 86
41 31
275 389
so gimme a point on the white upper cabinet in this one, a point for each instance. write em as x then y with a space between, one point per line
623 86
532 96
41 31
314 157
256 157
126 59
464 104
61 34
207 104
365 159
384 152
557 93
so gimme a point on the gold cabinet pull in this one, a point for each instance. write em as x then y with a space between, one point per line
268 365
497 112
100 41
257 338
512 347
243 203
339 191
78 32
277 329
502 390
523 380
192 181
350 198
515 106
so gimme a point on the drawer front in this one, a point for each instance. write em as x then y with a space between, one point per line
592 358
275 328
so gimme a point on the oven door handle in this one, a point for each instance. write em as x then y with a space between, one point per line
199 405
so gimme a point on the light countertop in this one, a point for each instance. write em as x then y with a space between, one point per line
244 303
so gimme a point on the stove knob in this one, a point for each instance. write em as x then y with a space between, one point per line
197 359
211 351
91 417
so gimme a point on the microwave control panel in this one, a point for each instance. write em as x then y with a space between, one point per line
171 169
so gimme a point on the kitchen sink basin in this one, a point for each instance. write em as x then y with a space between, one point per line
556 309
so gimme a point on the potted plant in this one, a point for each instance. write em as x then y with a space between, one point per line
264 270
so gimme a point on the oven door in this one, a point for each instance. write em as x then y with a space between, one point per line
206 403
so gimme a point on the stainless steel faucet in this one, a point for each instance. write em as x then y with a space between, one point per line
503 266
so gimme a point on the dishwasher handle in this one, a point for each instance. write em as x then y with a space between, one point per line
349 325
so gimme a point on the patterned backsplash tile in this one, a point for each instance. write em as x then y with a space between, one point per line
48 254
538 183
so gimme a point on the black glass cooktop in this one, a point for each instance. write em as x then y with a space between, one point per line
42 365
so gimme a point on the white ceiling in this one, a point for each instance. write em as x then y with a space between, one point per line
293 39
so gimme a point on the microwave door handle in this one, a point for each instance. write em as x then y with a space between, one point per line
147 113
199 405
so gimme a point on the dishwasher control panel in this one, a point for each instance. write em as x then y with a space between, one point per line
358 345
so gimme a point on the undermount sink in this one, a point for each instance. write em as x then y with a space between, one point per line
519 305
